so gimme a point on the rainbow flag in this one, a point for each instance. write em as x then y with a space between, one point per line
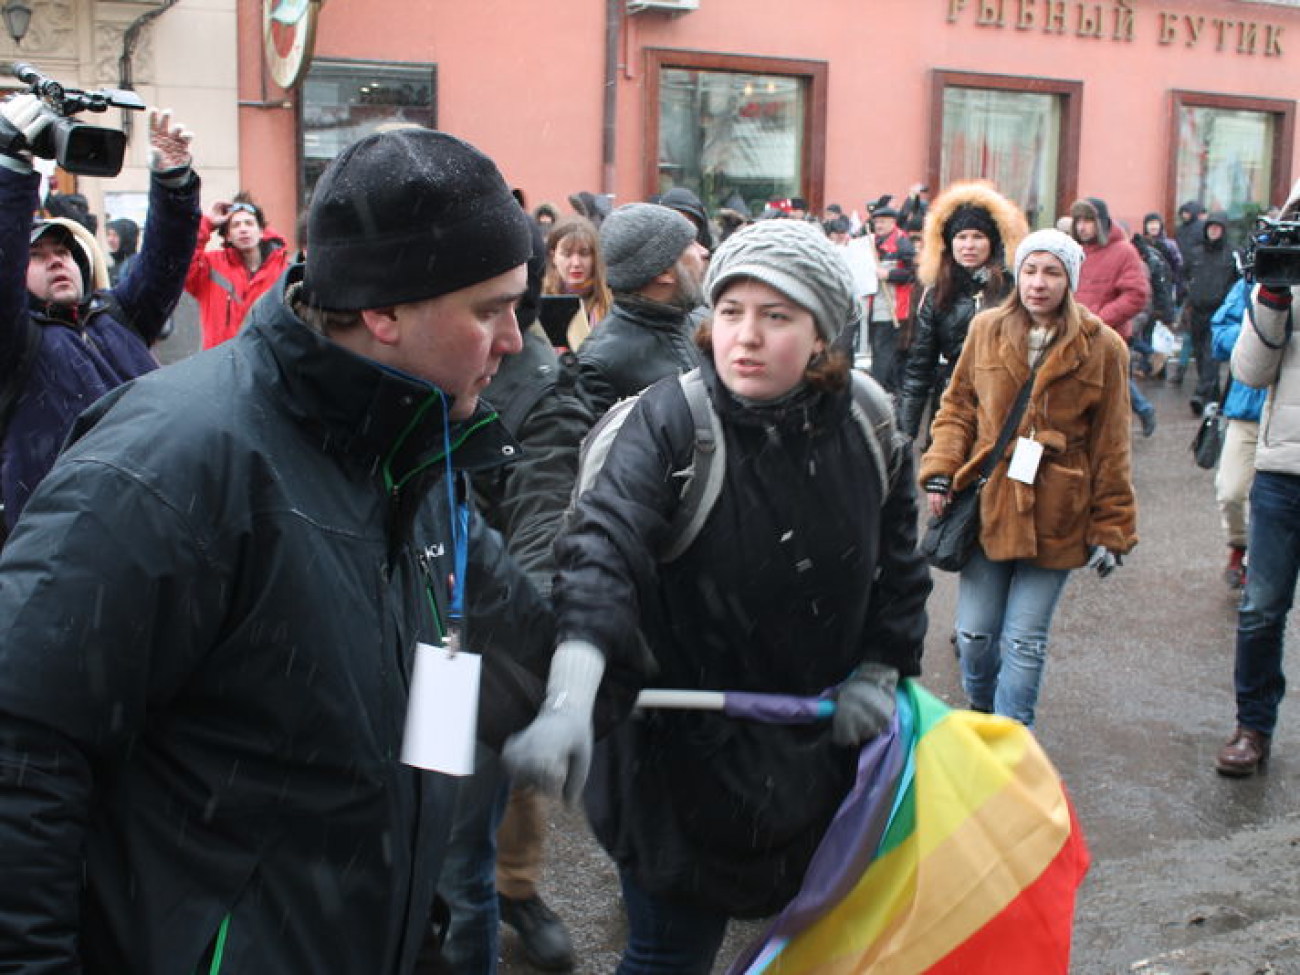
956 852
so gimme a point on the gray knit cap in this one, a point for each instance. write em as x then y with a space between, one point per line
1059 245
641 240
795 258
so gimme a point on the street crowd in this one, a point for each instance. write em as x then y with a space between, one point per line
586 454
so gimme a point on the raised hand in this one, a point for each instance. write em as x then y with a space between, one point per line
169 143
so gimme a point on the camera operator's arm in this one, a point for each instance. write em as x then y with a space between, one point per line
21 118
148 295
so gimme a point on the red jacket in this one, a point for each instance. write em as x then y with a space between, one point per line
223 285
1113 282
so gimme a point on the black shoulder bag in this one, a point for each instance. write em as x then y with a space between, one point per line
951 537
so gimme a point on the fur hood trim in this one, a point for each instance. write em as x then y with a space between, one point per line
1006 215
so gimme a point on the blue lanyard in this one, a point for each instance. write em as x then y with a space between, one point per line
459 513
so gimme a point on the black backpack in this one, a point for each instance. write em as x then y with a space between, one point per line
872 411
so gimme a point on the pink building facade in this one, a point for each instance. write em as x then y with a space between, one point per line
1145 104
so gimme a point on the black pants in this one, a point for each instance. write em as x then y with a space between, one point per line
1207 367
885 364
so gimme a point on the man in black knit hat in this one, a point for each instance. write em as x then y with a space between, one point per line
210 611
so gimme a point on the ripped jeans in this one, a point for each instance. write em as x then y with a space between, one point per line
1004 612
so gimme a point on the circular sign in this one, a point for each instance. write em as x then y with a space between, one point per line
288 34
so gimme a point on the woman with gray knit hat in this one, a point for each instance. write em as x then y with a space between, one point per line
804 579
1060 495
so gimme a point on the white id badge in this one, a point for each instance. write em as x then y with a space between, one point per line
442 713
1025 459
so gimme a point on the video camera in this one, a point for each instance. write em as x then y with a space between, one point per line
1272 255
88 150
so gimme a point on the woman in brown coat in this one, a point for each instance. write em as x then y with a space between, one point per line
1061 497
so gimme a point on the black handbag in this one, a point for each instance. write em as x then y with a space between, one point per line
1208 443
950 538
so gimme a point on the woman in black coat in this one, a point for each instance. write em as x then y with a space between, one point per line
803 579
969 230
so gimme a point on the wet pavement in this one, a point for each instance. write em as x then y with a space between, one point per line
1193 874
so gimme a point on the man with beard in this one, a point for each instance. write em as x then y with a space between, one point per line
655 268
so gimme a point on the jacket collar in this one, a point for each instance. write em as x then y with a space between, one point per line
1064 355
653 314
379 417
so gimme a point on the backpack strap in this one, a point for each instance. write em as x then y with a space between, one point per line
704 476
874 412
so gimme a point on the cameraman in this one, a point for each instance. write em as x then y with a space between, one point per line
1266 357
66 338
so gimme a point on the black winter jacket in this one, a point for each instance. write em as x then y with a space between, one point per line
801 572
208 617
533 391
1211 269
637 343
937 343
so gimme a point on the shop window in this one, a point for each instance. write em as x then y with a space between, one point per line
1231 154
737 131
343 101
1019 133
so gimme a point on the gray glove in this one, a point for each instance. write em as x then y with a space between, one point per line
1104 560
864 704
553 754
25 116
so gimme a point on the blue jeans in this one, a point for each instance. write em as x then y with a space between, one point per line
468 882
667 938
1140 403
1270 589
1004 611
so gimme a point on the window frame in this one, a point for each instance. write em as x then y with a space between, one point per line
1283 112
1070 93
362 63
813 138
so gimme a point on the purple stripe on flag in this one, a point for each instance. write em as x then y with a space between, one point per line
847 849
777 708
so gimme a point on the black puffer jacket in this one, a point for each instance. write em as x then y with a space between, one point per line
940 334
1211 268
525 501
801 572
208 617
638 343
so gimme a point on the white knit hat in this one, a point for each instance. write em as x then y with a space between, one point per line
795 258
1059 245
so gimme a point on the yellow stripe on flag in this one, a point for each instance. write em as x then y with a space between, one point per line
984 832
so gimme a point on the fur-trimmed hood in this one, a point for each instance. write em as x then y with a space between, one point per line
1006 215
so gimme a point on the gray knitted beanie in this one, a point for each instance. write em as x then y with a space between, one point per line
640 241
796 259
1059 245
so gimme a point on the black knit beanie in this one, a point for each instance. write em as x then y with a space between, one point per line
406 215
968 216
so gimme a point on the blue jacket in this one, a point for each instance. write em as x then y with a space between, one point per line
58 362
1242 402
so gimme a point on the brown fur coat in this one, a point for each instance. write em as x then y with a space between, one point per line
1078 410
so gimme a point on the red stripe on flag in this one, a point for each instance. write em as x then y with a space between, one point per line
1031 935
